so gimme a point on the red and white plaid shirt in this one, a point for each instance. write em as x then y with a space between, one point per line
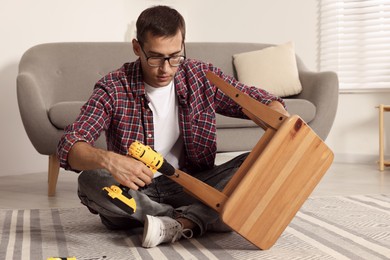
119 107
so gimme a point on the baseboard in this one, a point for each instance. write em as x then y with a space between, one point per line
356 158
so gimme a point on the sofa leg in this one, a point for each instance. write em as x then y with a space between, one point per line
54 169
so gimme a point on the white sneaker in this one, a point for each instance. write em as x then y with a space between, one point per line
158 230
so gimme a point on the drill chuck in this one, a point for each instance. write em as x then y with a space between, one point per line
154 160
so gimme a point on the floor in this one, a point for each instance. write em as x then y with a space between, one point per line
30 190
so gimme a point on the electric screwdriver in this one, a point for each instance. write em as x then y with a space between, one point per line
153 160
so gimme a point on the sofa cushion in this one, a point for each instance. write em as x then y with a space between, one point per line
273 69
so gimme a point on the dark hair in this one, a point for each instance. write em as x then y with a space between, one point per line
160 21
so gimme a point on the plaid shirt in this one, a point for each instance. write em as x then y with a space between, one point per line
119 107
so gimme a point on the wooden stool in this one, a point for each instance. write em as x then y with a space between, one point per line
275 179
382 162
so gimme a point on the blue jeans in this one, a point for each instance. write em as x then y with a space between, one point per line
163 197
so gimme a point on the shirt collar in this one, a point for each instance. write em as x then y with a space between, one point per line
135 78
181 89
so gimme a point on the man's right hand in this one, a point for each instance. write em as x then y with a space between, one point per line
129 171
126 170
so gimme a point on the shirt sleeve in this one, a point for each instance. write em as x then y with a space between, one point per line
93 119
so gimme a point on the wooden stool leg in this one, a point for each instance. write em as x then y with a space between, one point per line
54 169
381 139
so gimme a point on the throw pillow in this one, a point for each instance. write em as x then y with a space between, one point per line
273 69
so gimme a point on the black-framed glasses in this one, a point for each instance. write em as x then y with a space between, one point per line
174 61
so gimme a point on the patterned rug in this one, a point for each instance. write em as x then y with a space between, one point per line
354 227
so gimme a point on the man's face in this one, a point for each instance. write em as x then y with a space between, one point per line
159 47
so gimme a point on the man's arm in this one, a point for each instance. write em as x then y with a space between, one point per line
124 169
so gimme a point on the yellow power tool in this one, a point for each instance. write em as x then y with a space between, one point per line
155 161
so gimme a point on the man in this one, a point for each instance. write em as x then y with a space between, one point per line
165 101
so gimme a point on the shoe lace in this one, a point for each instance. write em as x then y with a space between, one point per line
186 233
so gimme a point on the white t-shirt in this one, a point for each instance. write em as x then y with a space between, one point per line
167 140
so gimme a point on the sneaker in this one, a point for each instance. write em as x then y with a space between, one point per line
158 230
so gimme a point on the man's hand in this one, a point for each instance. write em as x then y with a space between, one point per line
129 171
277 106
125 169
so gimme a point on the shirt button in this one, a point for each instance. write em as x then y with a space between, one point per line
150 135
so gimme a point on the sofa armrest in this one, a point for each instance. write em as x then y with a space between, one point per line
34 115
322 89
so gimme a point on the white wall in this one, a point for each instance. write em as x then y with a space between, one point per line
355 135
25 23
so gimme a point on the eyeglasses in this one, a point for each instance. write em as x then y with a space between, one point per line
174 61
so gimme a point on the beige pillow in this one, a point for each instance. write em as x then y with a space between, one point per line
273 69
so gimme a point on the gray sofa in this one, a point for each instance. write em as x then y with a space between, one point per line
55 79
